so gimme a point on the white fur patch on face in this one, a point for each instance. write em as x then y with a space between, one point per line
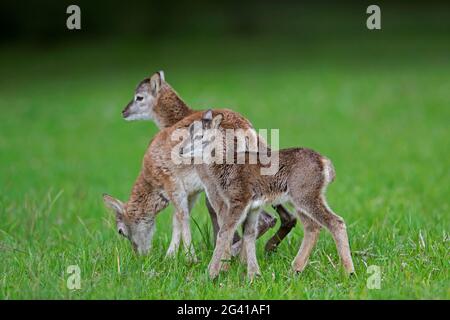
141 110
142 236
139 116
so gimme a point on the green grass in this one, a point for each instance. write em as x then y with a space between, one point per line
380 112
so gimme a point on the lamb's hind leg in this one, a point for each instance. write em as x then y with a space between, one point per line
311 234
317 209
288 222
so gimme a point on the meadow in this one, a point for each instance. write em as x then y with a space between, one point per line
378 109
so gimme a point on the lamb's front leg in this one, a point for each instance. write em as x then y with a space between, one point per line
186 229
181 226
220 206
228 226
176 236
187 238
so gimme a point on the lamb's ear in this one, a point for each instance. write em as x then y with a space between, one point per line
155 82
114 204
216 121
161 75
207 115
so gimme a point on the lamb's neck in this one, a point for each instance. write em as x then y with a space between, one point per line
145 199
170 108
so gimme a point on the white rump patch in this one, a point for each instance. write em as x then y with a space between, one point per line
328 172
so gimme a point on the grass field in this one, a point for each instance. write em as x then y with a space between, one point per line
380 111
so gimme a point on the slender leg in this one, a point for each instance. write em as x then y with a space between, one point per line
176 236
186 230
226 258
265 222
213 215
180 201
248 251
320 212
311 234
187 239
225 236
288 222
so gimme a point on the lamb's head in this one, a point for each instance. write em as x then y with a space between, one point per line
204 136
145 98
138 230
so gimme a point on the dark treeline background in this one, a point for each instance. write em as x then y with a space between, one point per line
44 22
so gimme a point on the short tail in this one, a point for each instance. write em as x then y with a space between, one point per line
328 170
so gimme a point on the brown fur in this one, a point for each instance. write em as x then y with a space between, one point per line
169 109
161 181
239 191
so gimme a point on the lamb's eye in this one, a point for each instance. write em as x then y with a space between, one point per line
139 98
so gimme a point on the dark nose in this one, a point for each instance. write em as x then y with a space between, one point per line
126 111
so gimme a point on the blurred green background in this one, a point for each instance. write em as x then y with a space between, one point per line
375 102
